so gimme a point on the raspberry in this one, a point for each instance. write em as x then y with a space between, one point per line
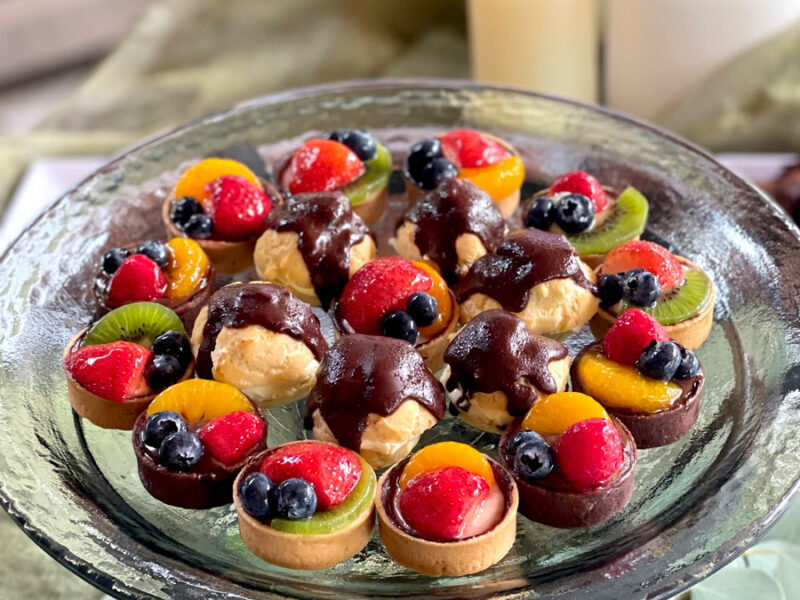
580 182
237 206
323 166
231 437
471 149
632 333
589 453
138 279
638 254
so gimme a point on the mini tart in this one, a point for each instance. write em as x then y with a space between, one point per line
294 550
105 413
555 503
453 558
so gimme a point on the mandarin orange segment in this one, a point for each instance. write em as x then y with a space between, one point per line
447 454
554 414
441 292
187 268
621 386
200 400
194 179
498 180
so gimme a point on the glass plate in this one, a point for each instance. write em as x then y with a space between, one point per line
74 489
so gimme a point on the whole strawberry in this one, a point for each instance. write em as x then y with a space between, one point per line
630 335
138 279
580 182
237 207
229 438
323 166
112 371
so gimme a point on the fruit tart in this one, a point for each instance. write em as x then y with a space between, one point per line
649 382
452 227
261 339
176 274
537 276
490 163
312 245
402 299
498 369
350 161
115 367
645 275
193 440
594 219
572 461
306 504
375 396
447 510
222 205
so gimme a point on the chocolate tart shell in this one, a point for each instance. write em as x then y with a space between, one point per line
299 551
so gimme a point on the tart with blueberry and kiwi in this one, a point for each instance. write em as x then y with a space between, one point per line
350 161
536 275
375 396
193 440
498 369
594 219
649 382
447 510
490 163
177 274
261 339
222 205
115 367
306 504
674 290
312 245
402 299
573 462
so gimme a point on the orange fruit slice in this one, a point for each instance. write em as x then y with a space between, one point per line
187 268
498 180
554 414
194 179
200 400
441 292
447 454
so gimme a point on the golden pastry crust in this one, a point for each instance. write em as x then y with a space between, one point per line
469 247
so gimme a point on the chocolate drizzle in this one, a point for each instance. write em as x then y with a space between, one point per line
522 261
270 306
364 374
493 352
452 209
327 229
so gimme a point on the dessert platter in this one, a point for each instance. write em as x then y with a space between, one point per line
402 339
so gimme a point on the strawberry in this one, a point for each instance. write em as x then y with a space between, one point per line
470 149
323 166
580 182
112 371
237 206
382 285
230 437
589 453
333 471
630 335
438 504
138 279
638 254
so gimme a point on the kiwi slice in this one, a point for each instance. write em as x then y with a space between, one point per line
626 222
338 517
376 177
138 322
681 302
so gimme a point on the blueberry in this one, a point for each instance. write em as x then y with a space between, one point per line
199 226
436 172
641 287
399 324
180 451
256 493
155 251
689 365
420 155
541 214
113 259
660 360
522 437
360 142
163 371
533 461
160 425
423 308
610 290
575 213
337 135
183 208
295 499
174 343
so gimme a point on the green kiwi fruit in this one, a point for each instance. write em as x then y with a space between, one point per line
627 221
375 177
681 302
138 322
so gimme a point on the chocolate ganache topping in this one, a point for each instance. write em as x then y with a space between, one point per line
327 228
270 306
363 374
454 208
493 352
523 260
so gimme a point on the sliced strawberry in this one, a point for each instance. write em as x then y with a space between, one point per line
632 333
638 254
323 166
333 471
138 279
589 453
439 504
469 149
112 371
231 437
580 182
237 206
381 285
